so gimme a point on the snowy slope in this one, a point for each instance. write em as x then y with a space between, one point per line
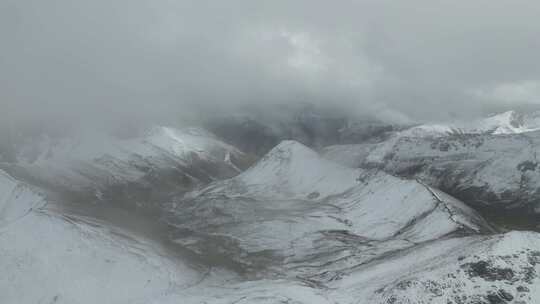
294 211
339 235
479 269
510 122
47 257
475 269
93 163
11 190
506 123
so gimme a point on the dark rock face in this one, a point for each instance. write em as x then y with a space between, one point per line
534 258
522 289
527 166
248 135
488 272
256 133
496 298
500 297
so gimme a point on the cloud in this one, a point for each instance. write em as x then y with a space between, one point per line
142 61
522 92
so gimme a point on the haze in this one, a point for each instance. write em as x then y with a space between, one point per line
105 62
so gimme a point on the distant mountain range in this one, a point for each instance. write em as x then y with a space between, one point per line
304 209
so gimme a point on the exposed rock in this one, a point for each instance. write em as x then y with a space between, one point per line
488 272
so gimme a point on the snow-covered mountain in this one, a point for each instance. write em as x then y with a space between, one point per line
105 167
293 228
488 163
352 236
293 205
495 171
476 269
510 122
50 257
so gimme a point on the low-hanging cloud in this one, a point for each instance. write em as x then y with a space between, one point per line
112 61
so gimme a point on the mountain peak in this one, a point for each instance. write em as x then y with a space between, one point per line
503 123
290 149
298 170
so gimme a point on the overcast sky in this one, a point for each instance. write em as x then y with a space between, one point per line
156 60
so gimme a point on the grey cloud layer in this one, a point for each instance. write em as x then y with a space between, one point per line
148 60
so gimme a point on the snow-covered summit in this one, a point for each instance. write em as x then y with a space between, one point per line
96 161
510 122
179 143
296 170
504 123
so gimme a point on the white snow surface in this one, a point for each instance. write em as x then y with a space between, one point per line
510 122
290 170
51 258
97 160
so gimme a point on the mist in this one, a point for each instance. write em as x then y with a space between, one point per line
65 63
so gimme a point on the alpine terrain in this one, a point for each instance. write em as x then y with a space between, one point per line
344 211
